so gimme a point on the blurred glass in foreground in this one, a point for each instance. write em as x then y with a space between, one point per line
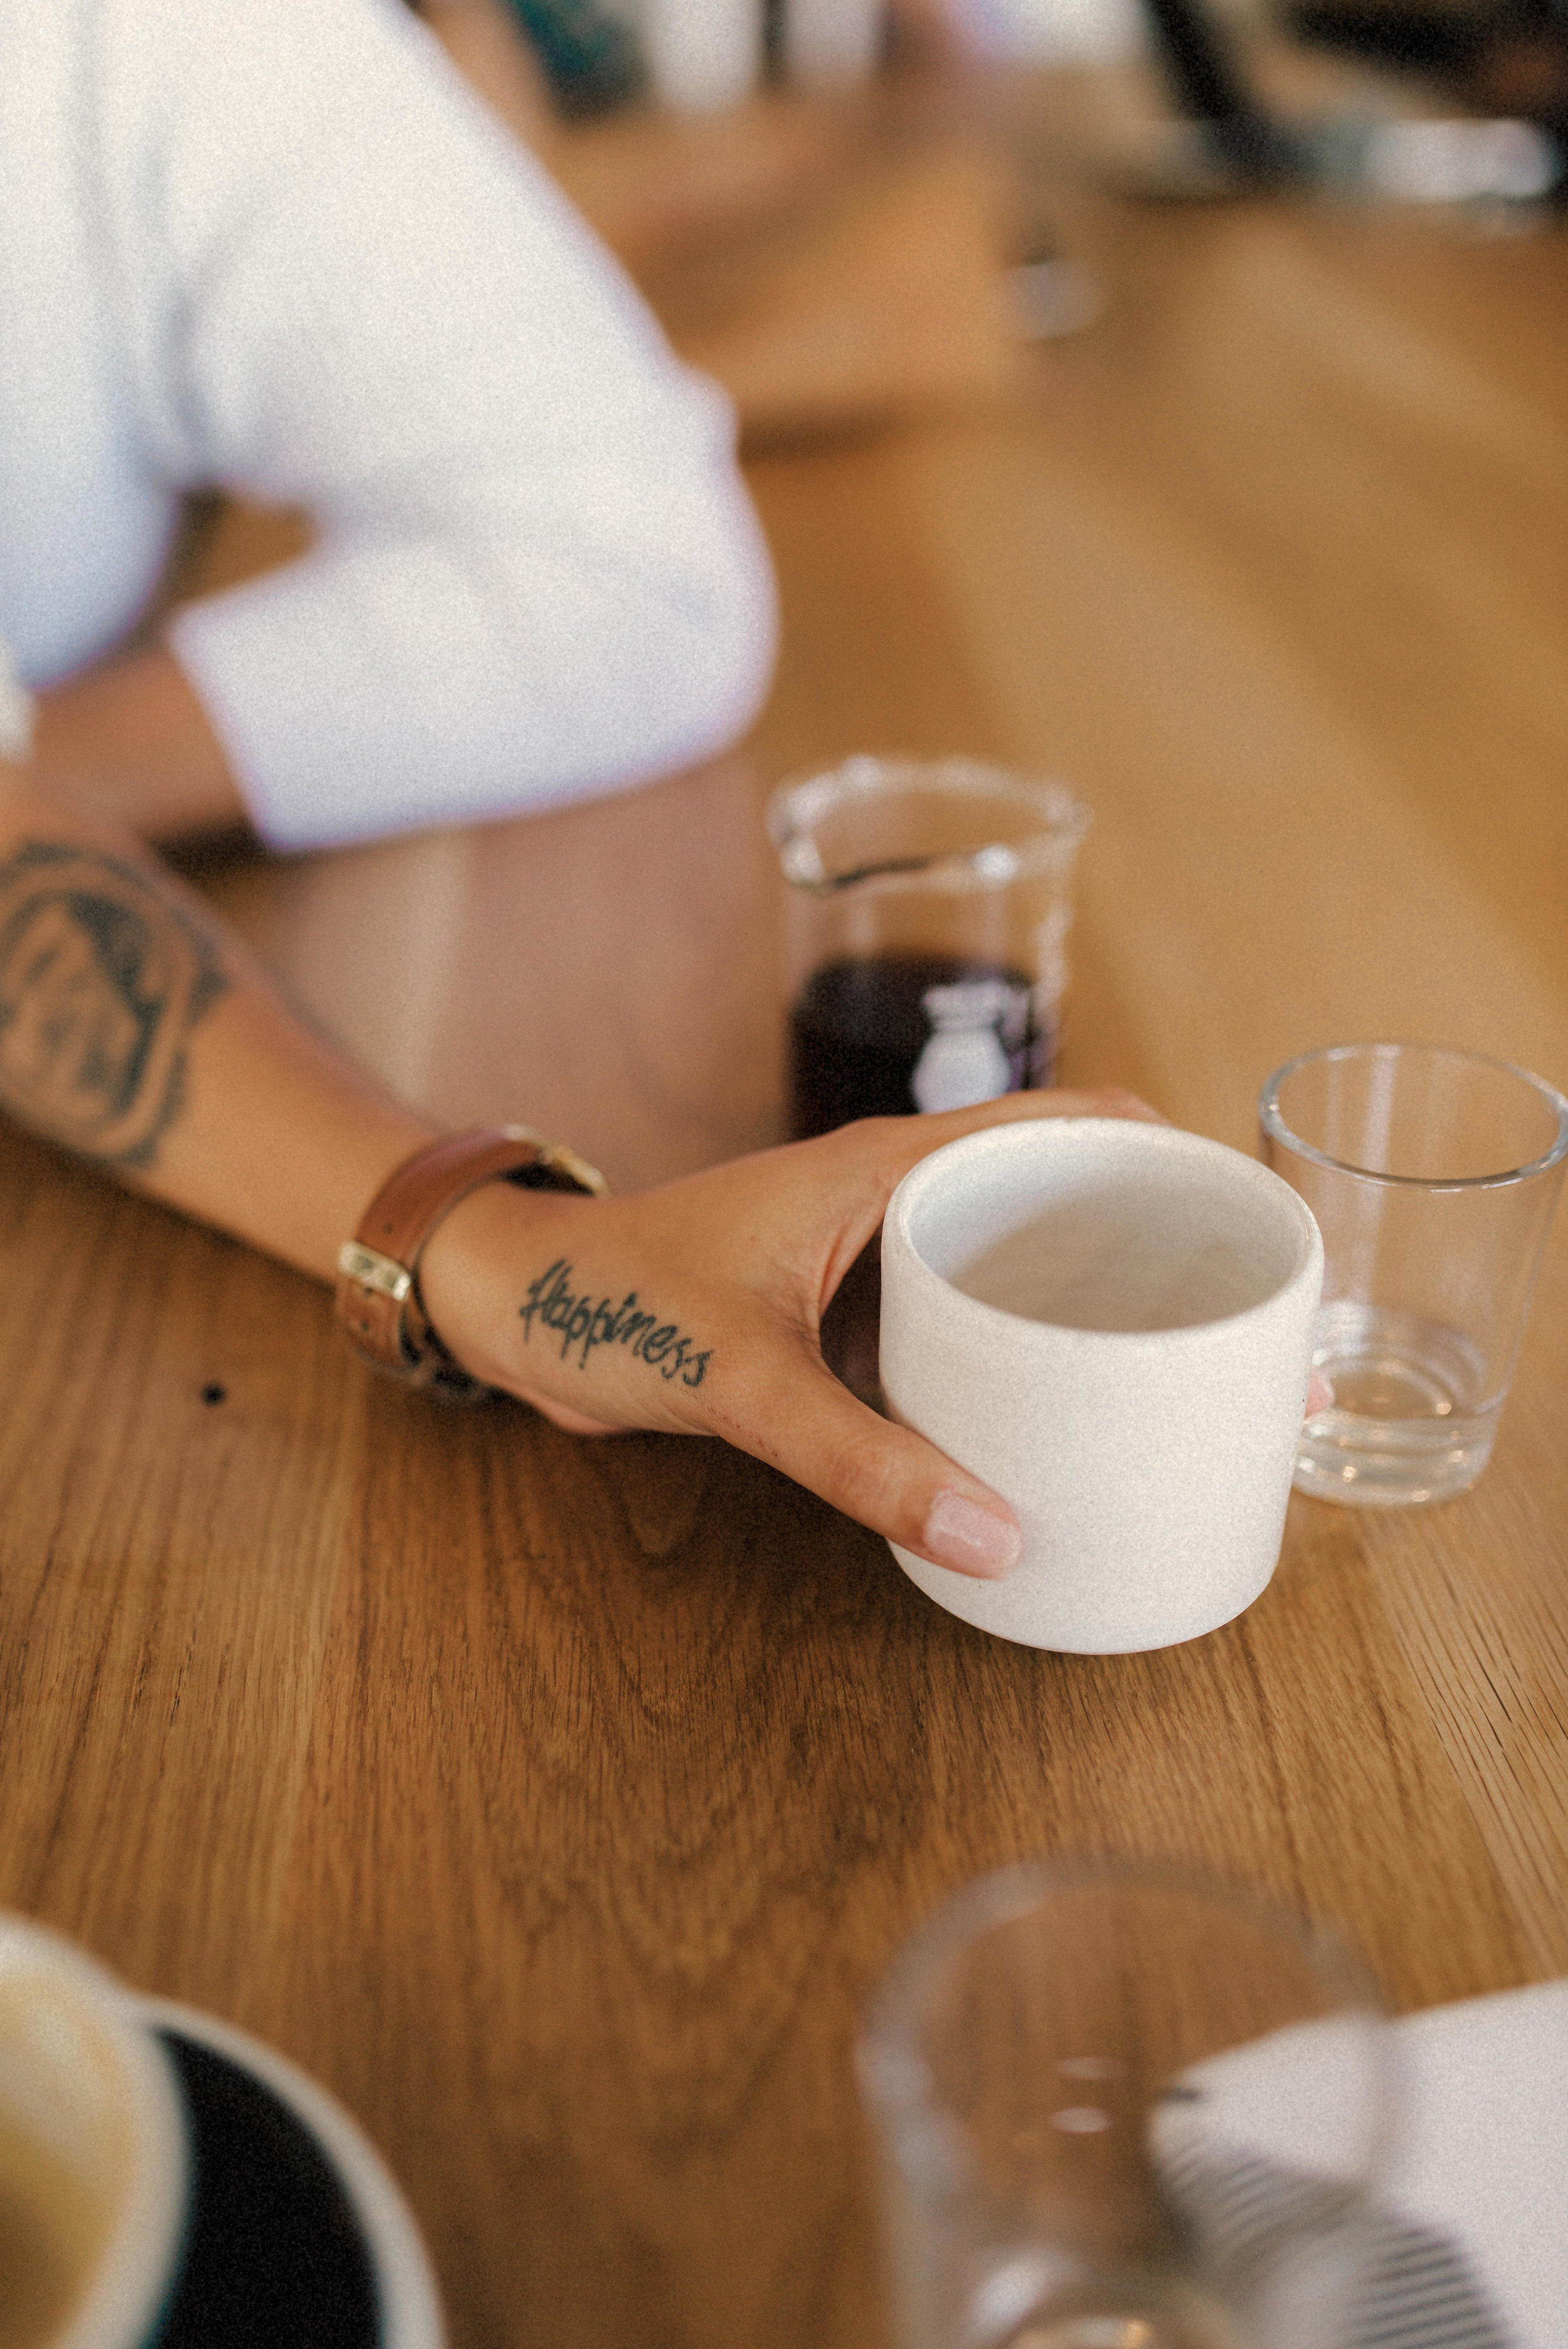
1121 2108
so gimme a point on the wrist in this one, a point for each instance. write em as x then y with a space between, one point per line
475 1271
132 742
383 1299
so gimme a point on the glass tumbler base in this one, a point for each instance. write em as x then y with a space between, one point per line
1403 1427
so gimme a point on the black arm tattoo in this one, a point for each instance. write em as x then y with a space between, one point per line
102 979
585 1324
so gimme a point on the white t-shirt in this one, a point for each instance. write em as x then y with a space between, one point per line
277 245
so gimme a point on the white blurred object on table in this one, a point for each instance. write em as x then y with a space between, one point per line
1481 2154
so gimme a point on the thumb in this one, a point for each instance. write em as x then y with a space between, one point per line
888 1477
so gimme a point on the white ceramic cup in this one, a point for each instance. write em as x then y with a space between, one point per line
93 2160
1111 1324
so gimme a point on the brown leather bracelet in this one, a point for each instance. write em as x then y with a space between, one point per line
378 1300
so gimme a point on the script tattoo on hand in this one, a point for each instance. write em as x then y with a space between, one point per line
584 1324
102 979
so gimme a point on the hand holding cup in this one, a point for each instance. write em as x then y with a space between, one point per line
696 1307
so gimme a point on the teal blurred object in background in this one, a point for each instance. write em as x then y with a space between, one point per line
589 53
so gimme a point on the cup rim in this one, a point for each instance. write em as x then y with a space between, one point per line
793 807
1308 1264
411 2310
1274 1126
141 2250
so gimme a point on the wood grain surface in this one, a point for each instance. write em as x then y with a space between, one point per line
558 1803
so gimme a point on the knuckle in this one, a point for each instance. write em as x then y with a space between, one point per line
872 1136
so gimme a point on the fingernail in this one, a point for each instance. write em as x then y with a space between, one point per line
1319 1393
970 1539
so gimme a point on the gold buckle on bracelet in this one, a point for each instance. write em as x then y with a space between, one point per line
372 1270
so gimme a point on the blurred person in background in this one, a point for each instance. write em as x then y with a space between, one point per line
284 252
835 256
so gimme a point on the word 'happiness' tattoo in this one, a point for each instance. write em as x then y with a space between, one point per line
584 1325
102 979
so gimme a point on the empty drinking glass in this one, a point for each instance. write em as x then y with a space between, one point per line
1433 1175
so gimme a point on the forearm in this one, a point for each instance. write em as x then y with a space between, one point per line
649 184
486 43
129 741
137 1032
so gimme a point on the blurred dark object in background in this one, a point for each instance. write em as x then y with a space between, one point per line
590 54
1506 144
1209 88
1501 56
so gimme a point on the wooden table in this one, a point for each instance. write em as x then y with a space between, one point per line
557 1802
